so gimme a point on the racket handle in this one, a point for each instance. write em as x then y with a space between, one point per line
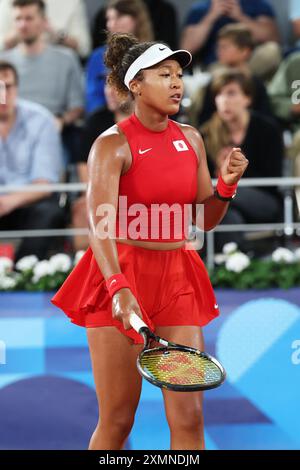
136 322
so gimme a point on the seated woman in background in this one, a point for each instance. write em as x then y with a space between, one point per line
122 16
260 140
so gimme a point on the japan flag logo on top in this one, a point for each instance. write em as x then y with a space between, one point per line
180 145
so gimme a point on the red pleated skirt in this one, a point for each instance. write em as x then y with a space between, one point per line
171 286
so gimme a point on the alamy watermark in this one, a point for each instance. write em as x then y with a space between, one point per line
2 353
157 222
296 94
295 357
165 458
2 92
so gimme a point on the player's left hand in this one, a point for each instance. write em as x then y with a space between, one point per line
234 166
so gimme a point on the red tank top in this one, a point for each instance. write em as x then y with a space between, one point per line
157 192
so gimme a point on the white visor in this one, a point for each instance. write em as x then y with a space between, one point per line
152 56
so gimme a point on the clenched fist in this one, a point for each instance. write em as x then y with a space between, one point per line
234 166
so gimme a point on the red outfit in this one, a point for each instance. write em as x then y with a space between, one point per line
163 171
172 286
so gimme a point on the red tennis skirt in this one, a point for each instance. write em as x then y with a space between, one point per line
172 288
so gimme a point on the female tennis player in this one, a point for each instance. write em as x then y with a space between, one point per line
145 160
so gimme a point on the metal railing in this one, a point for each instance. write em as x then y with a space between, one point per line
288 226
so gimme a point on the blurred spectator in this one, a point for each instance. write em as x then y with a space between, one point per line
92 7
233 125
284 91
30 153
98 122
49 75
122 16
234 49
295 19
164 20
207 17
67 25
99 28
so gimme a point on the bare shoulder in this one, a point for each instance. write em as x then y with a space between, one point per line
194 137
111 138
190 132
111 144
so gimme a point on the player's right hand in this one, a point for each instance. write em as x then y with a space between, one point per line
124 304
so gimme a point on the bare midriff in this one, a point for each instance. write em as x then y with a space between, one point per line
153 245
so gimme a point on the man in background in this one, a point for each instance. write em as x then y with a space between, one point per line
206 18
67 25
30 153
49 75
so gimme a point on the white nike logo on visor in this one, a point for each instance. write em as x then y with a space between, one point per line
141 152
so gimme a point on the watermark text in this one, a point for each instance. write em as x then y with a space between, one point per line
296 94
159 222
2 353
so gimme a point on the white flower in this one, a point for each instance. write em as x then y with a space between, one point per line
41 269
283 255
7 283
237 262
230 248
27 263
297 254
6 265
220 258
78 256
60 263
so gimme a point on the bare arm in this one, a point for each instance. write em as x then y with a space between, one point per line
82 172
68 118
263 28
105 164
214 209
71 116
11 40
69 41
232 170
61 37
195 36
104 170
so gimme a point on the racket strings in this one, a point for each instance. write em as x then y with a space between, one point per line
180 367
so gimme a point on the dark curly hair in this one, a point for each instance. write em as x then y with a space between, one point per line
122 51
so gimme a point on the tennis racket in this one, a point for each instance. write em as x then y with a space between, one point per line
174 366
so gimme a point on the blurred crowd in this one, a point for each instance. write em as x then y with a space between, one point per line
242 90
